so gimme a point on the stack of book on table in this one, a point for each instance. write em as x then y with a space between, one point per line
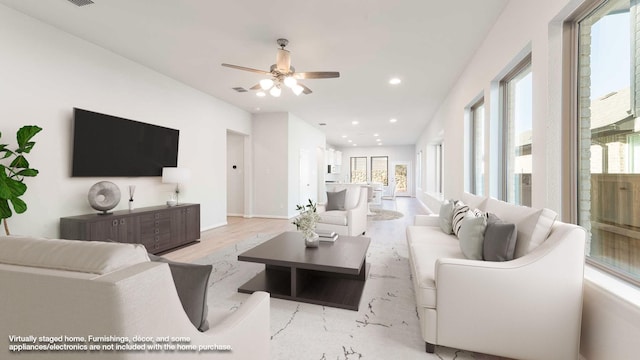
327 235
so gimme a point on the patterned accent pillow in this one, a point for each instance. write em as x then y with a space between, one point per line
459 212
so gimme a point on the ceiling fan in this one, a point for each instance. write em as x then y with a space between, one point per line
282 73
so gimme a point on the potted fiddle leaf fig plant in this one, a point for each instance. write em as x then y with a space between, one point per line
14 167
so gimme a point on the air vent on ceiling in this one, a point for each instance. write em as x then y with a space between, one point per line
81 2
240 89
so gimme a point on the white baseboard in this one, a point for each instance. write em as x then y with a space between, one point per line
210 227
271 217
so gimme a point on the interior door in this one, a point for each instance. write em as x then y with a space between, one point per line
402 178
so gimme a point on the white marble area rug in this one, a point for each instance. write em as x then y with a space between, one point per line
385 327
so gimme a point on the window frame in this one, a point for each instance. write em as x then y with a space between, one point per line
505 119
351 165
386 182
572 107
473 146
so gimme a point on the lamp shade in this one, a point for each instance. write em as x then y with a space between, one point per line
175 175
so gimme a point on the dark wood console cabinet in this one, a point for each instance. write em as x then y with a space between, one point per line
158 228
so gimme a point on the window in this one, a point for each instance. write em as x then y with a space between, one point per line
608 131
419 170
477 148
380 169
358 170
439 169
517 103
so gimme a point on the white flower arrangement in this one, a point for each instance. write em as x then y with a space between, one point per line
306 221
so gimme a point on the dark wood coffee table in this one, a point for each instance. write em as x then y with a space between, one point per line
332 274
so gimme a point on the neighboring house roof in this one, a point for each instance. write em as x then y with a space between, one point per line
610 109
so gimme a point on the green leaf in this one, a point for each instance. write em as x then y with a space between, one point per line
5 211
24 135
28 172
19 163
18 205
6 153
10 188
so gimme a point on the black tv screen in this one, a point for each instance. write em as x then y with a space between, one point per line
105 145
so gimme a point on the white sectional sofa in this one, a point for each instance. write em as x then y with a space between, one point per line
74 288
526 308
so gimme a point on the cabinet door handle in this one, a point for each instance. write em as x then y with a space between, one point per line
114 223
157 216
157 223
157 231
123 221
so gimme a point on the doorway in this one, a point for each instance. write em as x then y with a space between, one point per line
402 178
235 174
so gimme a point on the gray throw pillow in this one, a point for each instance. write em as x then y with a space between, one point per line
335 200
471 234
446 216
499 240
192 283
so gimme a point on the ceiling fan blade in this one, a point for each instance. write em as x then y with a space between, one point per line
305 90
247 69
256 87
283 60
317 75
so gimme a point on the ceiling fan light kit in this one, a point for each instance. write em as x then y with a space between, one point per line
283 73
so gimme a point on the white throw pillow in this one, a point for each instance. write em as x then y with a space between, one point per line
533 225
459 211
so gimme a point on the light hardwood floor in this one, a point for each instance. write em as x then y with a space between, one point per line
238 229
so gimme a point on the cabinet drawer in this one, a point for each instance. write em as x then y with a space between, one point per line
156 243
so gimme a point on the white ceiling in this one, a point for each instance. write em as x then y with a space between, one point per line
426 43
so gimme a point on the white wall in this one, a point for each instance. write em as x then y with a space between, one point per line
277 141
524 26
44 73
303 137
395 154
270 165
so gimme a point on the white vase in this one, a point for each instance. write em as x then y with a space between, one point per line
311 239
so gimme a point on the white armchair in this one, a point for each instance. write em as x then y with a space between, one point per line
80 288
352 221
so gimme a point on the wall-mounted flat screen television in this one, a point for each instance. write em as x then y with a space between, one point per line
109 146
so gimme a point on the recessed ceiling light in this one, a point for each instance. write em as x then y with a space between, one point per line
395 81
257 109
379 143
355 144
349 140
355 122
378 140
376 135
261 94
393 120
344 136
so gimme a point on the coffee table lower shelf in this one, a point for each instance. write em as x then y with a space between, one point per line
310 286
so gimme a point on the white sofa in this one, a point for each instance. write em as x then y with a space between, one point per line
77 288
352 221
526 308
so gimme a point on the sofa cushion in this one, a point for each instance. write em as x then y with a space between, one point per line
471 234
459 212
474 201
445 216
335 200
73 255
499 240
192 282
533 225
424 260
334 217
